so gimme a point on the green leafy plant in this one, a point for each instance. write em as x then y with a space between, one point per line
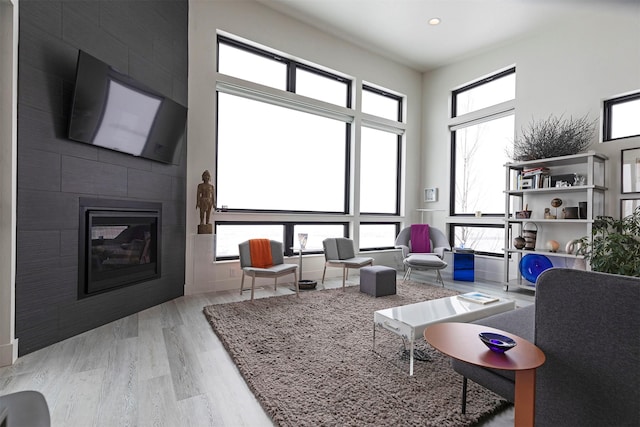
553 137
615 245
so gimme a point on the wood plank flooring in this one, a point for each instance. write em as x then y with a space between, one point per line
164 366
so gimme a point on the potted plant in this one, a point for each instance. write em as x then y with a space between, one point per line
615 245
553 137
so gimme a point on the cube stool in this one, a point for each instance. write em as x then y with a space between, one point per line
378 280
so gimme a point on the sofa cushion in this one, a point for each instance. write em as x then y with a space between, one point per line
587 327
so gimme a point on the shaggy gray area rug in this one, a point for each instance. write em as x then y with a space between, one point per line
309 361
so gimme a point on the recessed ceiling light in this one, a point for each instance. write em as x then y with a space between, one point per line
434 21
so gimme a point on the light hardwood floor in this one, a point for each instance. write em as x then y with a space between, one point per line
164 366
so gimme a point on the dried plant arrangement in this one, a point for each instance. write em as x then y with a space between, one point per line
553 137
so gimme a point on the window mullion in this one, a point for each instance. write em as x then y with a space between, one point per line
490 113
290 100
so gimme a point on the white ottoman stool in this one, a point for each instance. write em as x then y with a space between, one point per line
424 262
378 280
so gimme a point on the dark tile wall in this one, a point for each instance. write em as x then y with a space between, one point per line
147 40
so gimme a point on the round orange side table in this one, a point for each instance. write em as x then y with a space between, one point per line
461 341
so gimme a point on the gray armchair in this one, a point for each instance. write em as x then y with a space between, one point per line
339 252
24 408
586 323
420 260
278 269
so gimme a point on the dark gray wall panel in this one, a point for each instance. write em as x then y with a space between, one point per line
42 210
41 130
115 19
122 159
39 170
89 177
158 79
143 184
44 91
147 39
85 35
57 57
46 15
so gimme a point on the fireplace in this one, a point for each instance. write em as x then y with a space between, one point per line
119 244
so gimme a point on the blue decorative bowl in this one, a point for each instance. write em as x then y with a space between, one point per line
496 342
532 265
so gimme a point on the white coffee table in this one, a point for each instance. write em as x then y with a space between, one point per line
410 321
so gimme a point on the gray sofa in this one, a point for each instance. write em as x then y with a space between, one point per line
588 325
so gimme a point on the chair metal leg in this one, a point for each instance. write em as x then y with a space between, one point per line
464 395
344 277
242 282
323 272
439 278
275 284
253 285
407 274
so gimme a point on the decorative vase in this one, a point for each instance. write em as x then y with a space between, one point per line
302 239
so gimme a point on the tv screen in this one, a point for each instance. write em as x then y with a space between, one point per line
114 111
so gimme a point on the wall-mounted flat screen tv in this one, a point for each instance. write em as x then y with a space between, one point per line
114 111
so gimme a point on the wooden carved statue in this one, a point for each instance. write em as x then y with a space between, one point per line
205 201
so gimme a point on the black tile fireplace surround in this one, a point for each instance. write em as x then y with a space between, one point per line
150 40
119 244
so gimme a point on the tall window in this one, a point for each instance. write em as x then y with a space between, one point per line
621 117
265 140
284 153
380 150
380 153
482 133
281 146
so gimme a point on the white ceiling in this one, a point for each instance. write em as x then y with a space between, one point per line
398 29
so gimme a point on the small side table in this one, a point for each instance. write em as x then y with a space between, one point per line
304 284
460 341
463 264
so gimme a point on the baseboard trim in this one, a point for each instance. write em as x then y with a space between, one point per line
8 353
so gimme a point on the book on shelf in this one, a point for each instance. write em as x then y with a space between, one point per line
478 297
537 179
535 171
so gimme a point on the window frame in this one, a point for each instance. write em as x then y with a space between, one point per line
483 115
452 237
607 117
483 81
347 178
288 238
379 248
457 122
292 66
386 94
398 188
399 136
350 217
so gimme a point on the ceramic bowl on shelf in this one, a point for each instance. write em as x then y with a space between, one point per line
531 266
496 342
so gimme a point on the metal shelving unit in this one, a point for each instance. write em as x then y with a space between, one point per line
591 165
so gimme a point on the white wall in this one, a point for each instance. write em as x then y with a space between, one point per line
566 70
8 145
259 24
